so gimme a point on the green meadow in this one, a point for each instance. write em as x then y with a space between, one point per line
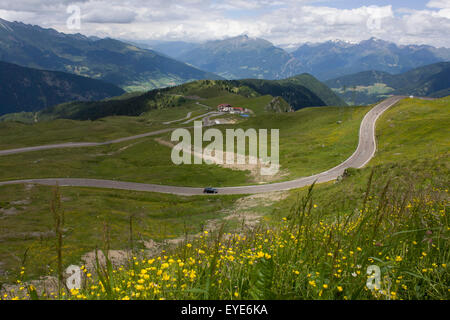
311 140
320 242
393 214
27 222
412 151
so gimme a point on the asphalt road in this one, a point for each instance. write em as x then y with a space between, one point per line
82 144
363 154
185 118
203 116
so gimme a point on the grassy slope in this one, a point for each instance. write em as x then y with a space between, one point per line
412 139
284 272
16 135
319 88
403 230
412 161
311 141
141 162
414 129
155 216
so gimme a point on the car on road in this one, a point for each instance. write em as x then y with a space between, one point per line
210 190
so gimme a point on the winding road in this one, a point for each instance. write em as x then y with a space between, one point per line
203 116
363 154
185 118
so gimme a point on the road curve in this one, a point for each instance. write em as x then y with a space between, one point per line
363 154
185 118
203 116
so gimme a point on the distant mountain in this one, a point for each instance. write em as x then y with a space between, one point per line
26 89
239 58
334 59
244 57
371 86
111 60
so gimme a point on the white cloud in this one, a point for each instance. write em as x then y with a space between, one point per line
441 4
280 21
115 15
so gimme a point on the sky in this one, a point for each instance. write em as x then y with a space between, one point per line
286 23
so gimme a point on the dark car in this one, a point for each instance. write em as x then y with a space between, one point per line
210 190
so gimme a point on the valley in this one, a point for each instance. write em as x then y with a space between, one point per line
110 60
372 86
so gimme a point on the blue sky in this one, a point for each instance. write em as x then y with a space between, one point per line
339 4
286 23
349 4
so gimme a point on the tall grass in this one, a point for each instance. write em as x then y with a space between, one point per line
58 217
310 253
307 255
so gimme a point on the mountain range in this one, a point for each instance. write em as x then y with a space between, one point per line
26 89
114 61
372 86
245 57
242 57
333 59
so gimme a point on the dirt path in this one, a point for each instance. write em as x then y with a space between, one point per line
253 169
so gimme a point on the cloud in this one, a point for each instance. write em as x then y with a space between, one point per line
37 6
116 15
441 4
284 22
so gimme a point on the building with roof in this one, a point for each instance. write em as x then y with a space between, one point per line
224 107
